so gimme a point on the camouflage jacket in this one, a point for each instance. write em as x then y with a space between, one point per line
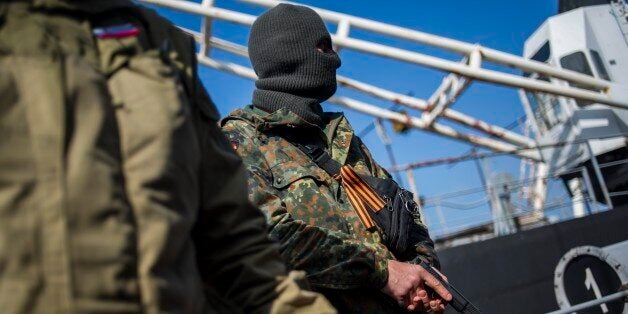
307 209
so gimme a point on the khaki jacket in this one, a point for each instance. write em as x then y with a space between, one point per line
118 192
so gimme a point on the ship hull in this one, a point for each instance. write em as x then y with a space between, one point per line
517 273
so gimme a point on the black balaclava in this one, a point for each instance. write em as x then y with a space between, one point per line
292 72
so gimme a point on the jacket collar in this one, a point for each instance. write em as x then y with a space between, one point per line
265 122
336 129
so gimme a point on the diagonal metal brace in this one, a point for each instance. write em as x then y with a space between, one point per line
450 89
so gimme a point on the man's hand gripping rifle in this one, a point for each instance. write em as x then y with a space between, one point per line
458 301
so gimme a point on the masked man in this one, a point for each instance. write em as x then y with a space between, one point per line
118 191
294 151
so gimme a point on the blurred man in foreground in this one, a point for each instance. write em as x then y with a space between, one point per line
317 182
118 192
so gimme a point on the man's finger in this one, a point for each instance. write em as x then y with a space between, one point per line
425 301
417 300
433 305
436 307
407 299
433 283
416 296
420 294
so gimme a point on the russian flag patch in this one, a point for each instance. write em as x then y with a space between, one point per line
118 31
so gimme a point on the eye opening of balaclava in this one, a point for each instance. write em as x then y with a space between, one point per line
290 50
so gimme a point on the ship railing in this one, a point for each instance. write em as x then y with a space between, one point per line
444 213
592 303
559 206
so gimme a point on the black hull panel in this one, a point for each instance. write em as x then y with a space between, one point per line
515 273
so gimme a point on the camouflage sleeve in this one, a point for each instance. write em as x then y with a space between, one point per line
424 246
330 259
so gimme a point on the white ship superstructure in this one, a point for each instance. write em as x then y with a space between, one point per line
590 40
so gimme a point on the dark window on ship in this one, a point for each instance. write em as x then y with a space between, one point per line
599 65
541 55
576 61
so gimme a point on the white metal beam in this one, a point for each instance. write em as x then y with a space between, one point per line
197 8
433 62
479 74
449 90
445 98
411 102
206 29
436 128
228 67
342 31
385 114
457 46
530 116
468 71
451 114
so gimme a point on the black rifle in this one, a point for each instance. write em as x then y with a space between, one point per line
458 301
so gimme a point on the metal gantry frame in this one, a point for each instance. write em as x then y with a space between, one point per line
438 106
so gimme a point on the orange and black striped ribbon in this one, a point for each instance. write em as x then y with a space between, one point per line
361 196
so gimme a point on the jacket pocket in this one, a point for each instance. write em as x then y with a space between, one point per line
154 113
288 173
308 196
